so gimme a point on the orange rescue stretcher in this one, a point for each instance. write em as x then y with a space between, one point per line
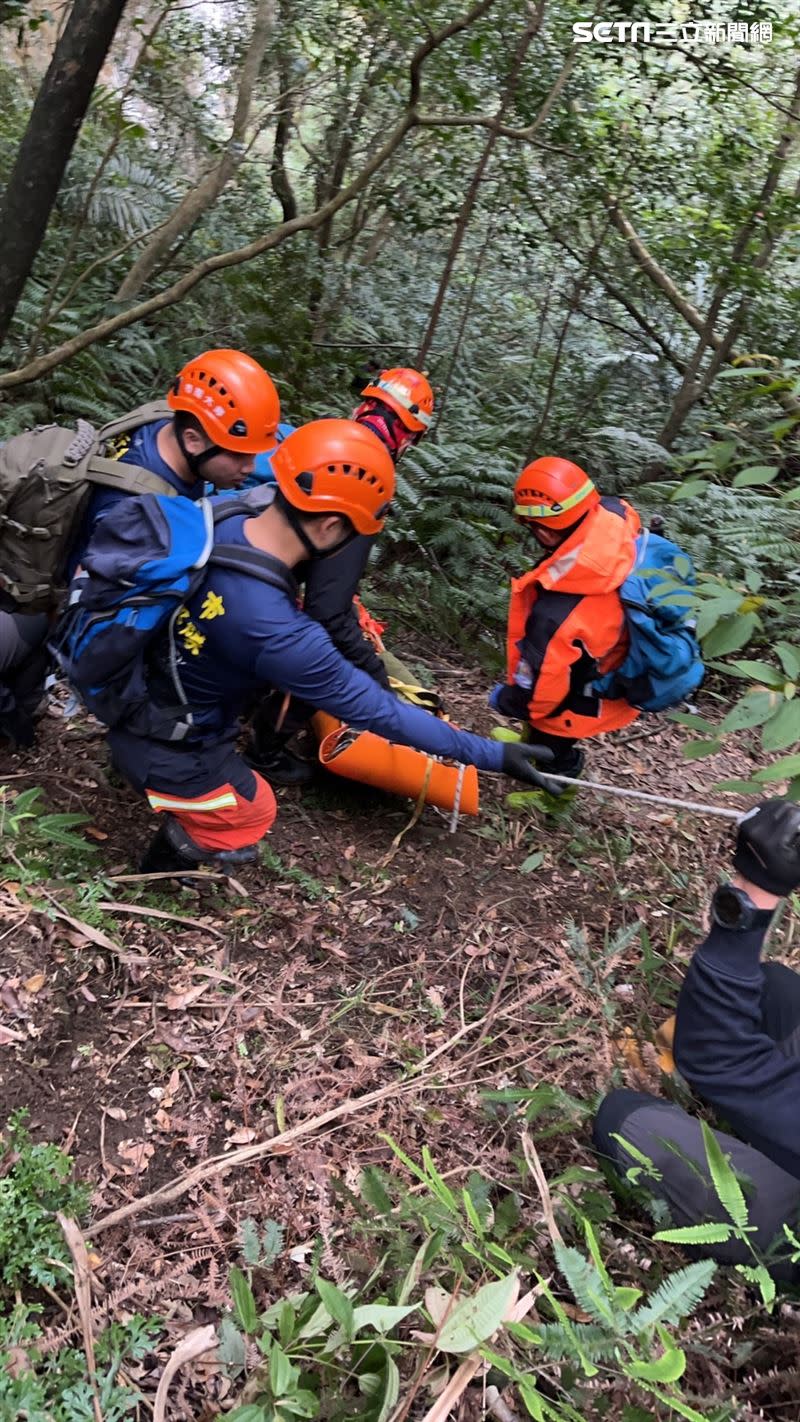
361 755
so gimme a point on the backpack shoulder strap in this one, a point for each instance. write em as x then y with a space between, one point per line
250 560
229 507
134 419
256 565
131 478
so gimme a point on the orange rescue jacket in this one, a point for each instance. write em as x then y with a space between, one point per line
566 626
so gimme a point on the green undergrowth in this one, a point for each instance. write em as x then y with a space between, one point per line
427 1274
40 1379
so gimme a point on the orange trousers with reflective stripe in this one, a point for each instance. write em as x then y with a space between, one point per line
224 819
220 801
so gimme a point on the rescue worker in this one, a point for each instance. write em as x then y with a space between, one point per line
237 636
566 624
737 1044
226 412
398 407
23 664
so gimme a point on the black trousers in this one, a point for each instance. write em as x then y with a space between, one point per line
672 1140
24 662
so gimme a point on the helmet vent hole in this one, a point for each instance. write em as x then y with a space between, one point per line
305 482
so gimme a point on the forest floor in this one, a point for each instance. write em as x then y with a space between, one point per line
149 1028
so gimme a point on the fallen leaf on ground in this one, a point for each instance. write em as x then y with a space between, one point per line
35 982
176 1001
138 1154
242 1137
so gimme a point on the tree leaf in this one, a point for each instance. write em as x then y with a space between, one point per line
783 769
381 1317
790 659
475 1319
676 1297
668 1368
689 489
372 1190
532 862
730 634
754 708
713 609
710 1233
248 1236
392 1390
301 1404
338 1305
243 1302
784 728
739 787
757 474
696 750
759 671
283 1375
729 1191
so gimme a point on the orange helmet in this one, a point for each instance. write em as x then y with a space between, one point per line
233 398
336 467
554 491
408 393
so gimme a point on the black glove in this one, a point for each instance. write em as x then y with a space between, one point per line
520 760
768 847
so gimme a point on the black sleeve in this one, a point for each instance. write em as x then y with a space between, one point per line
722 1050
513 701
332 583
330 586
545 620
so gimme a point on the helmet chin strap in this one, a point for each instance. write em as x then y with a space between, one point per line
389 428
195 461
292 517
563 532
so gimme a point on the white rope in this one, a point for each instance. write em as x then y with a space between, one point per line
651 799
457 799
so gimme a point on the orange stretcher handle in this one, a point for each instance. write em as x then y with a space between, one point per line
361 755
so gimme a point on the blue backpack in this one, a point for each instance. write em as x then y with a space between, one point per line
663 665
144 562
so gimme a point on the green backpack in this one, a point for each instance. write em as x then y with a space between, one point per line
46 479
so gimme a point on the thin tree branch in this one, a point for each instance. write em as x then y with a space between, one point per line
111 148
203 196
692 388
616 293
308 222
468 205
522 135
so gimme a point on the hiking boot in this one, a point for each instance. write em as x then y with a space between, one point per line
172 850
571 763
278 764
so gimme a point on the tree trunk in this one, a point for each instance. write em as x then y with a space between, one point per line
693 387
203 196
471 197
580 283
308 222
47 143
462 327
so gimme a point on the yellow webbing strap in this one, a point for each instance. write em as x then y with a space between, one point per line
418 808
421 696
